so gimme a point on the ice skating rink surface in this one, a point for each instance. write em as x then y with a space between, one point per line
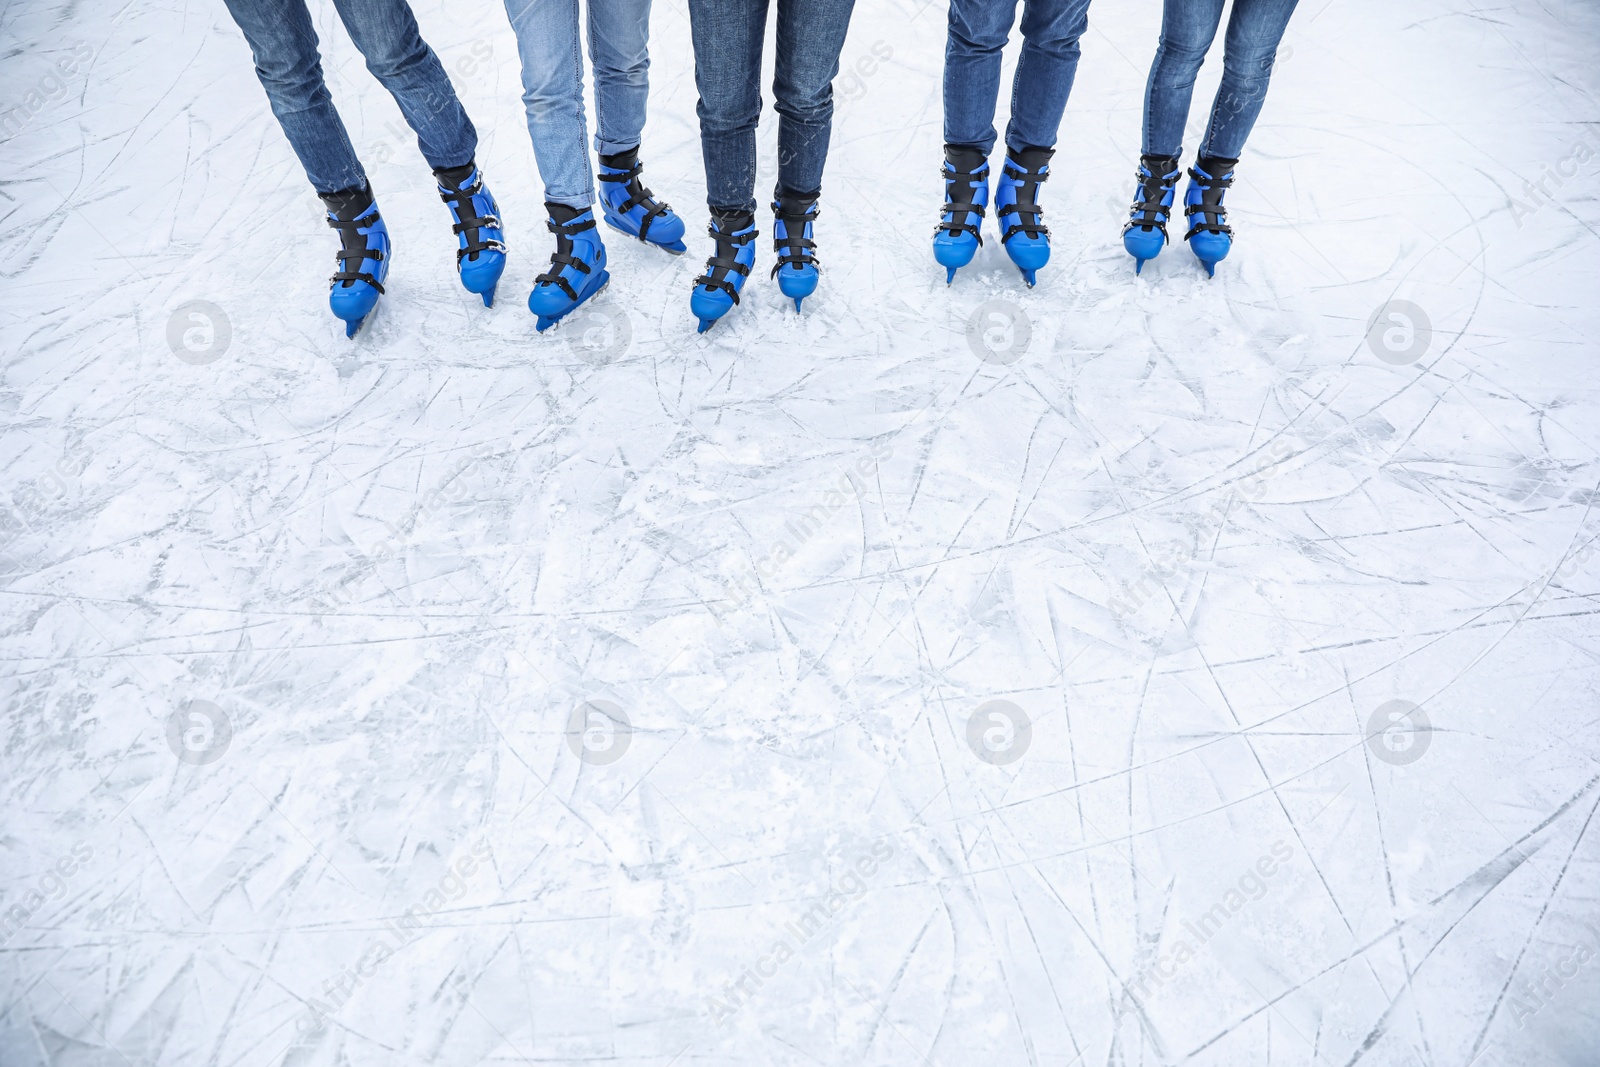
1129 671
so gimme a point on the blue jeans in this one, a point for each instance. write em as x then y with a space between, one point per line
287 62
727 71
1043 81
551 48
1187 28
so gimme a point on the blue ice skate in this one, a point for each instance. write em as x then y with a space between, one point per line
363 255
1016 202
796 269
577 267
481 257
966 194
1209 236
717 290
1144 235
633 209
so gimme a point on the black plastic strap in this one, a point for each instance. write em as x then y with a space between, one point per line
553 275
353 246
724 261
1026 206
563 256
1210 207
1152 191
357 276
794 240
952 208
460 202
638 196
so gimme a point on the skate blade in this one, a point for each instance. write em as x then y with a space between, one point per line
949 275
488 297
353 325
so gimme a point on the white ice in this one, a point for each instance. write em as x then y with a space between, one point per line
1203 533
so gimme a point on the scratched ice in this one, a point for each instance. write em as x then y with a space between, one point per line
1128 671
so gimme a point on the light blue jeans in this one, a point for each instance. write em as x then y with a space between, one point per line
551 50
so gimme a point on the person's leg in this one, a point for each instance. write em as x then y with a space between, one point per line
809 37
619 39
619 51
1043 81
1187 29
386 33
977 33
727 72
1255 28
284 46
551 51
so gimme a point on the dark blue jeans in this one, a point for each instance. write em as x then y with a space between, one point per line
287 62
727 71
1187 28
1043 81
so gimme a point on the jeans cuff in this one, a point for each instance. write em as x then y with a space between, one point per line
579 200
612 148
